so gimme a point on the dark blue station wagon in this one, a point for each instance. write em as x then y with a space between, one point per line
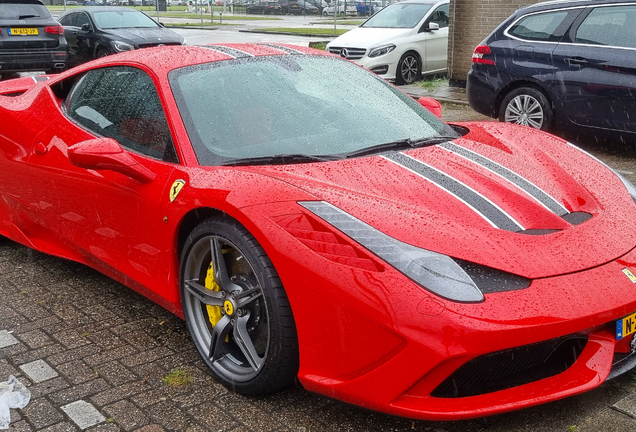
561 64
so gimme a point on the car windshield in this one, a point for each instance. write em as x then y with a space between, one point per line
123 19
398 15
15 11
316 106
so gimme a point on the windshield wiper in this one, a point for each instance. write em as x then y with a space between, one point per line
28 16
281 159
399 145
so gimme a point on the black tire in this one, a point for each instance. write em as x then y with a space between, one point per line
409 68
244 330
527 106
101 52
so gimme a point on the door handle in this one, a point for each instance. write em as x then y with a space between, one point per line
576 61
40 149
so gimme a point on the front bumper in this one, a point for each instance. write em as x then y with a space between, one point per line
24 61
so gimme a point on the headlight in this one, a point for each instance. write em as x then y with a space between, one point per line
451 279
381 50
628 185
119 46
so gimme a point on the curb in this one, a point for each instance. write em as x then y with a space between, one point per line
289 34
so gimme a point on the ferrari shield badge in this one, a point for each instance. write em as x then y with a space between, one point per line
176 188
630 275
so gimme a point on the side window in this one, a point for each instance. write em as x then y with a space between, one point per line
122 103
68 20
610 26
82 18
540 27
440 16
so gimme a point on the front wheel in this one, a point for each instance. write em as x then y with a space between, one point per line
236 309
409 68
526 106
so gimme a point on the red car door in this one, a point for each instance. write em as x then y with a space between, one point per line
109 219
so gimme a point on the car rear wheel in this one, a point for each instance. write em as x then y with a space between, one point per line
526 106
236 309
409 68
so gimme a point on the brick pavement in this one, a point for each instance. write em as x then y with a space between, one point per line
94 355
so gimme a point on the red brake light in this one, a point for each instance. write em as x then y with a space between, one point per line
54 29
480 52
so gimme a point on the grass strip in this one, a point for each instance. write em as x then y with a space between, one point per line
314 31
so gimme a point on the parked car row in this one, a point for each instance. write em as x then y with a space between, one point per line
32 40
294 7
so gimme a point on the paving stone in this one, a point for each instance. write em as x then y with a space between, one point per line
71 338
140 340
79 391
105 427
110 355
7 369
83 414
608 420
127 415
116 373
35 338
45 322
627 405
146 356
21 426
47 387
74 354
213 417
114 394
36 354
60 427
7 339
77 371
151 428
241 408
41 413
167 414
151 397
38 371
105 339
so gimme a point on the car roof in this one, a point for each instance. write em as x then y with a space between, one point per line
100 9
555 4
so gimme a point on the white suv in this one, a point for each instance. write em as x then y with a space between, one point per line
401 42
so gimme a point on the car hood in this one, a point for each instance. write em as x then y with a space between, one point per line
363 37
598 223
143 36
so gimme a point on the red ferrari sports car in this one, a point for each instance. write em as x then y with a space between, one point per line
330 229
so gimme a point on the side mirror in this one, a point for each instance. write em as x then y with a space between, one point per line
432 105
433 26
107 154
86 27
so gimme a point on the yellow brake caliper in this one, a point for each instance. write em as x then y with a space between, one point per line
214 312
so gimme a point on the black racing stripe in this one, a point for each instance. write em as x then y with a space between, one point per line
283 48
229 51
538 194
477 202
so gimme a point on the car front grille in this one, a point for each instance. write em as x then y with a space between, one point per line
513 367
348 53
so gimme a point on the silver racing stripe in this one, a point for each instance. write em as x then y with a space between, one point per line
481 205
528 187
232 52
282 48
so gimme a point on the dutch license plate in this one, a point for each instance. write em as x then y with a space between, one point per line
625 326
23 31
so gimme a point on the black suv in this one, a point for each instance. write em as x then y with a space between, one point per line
561 63
30 38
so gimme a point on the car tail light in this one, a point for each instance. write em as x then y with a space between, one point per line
54 29
480 52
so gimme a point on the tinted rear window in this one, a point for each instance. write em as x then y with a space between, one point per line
540 26
14 11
